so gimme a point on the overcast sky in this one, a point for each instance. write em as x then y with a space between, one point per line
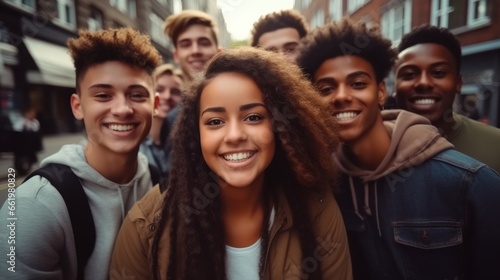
241 14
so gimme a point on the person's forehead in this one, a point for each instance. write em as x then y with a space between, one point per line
279 37
426 51
196 31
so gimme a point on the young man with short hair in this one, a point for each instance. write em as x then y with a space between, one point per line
414 208
428 79
115 99
280 32
194 35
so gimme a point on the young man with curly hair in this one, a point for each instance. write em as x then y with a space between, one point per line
280 32
414 208
428 80
115 99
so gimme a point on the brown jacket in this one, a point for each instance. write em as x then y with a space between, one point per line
132 252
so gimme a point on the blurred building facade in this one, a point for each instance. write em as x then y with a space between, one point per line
476 23
35 67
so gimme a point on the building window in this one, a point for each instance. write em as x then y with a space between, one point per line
477 12
318 19
396 21
157 31
24 4
65 12
458 13
354 5
95 20
335 9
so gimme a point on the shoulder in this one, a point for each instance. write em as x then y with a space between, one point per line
478 127
148 208
455 158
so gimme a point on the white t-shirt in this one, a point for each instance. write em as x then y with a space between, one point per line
243 263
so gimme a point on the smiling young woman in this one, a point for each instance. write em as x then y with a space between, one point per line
250 191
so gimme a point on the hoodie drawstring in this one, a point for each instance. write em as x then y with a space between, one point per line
366 202
121 202
354 200
376 211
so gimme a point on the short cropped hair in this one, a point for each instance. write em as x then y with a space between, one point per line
167 69
432 34
347 38
178 23
125 45
278 20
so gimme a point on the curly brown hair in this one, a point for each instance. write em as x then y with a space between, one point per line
278 20
347 38
306 137
178 23
122 44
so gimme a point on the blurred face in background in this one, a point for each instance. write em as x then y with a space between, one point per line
194 48
168 89
285 41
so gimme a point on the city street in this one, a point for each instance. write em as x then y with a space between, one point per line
51 144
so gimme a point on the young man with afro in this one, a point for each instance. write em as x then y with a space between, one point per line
414 208
115 99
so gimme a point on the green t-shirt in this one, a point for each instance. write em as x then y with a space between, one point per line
477 140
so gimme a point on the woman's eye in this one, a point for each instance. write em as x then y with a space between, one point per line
214 122
254 118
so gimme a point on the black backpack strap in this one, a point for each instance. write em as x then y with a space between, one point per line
155 174
71 190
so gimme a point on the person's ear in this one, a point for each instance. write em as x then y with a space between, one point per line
382 94
175 55
76 106
156 104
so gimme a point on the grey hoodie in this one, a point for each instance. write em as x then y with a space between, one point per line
44 243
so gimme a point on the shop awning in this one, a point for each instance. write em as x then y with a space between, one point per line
54 64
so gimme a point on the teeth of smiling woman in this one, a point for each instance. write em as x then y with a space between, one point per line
346 115
121 127
237 157
425 101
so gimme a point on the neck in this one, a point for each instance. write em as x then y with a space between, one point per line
445 124
155 131
117 168
370 150
242 201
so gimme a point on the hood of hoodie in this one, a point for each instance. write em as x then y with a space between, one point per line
413 141
96 186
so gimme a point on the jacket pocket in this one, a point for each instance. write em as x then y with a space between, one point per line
428 234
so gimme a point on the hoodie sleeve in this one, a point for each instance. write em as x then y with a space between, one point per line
33 238
483 226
